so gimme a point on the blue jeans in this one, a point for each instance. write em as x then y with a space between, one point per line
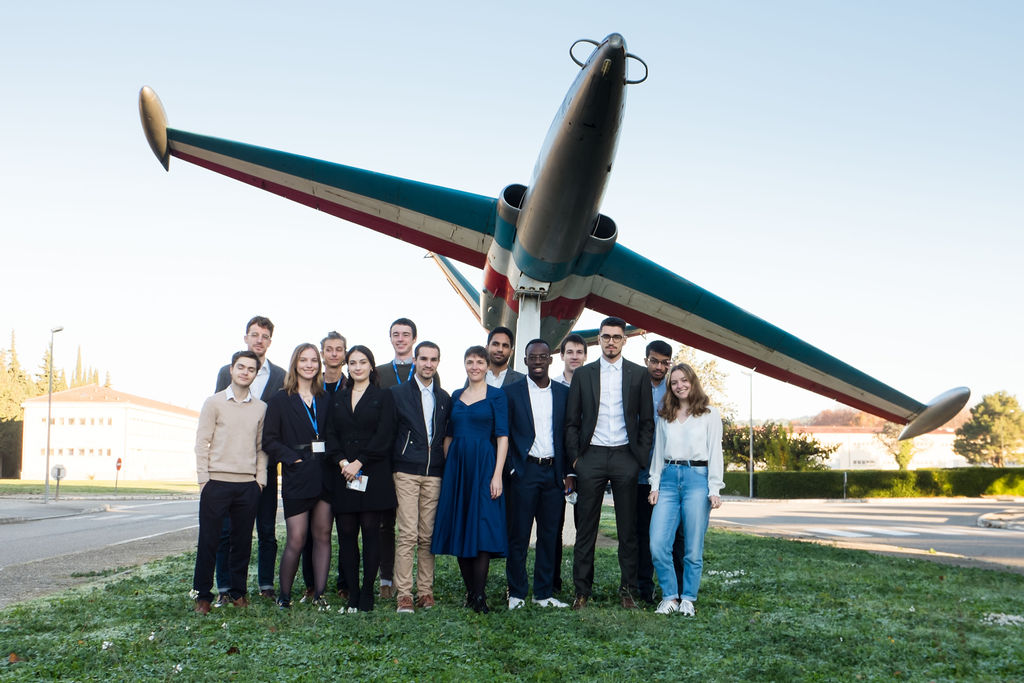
683 494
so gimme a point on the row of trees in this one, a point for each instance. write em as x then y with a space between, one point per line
18 384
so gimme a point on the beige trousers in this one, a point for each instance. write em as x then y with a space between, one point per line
417 506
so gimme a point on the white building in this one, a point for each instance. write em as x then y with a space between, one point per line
860 448
93 426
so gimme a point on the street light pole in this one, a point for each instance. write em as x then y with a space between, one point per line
49 415
750 373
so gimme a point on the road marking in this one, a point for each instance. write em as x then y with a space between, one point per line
160 533
835 532
884 531
187 515
937 531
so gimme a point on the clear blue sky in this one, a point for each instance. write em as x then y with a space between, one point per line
851 172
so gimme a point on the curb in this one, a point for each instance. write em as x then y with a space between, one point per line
1002 520
70 513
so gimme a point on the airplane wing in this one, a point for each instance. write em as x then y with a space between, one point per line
456 224
650 296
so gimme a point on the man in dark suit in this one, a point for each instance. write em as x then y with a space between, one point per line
258 335
536 422
609 428
500 344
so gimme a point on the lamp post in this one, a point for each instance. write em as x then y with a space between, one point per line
49 415
750 373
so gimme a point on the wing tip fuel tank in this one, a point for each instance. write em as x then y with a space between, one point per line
154 125
938 412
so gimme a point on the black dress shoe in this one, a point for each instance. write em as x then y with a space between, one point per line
480 604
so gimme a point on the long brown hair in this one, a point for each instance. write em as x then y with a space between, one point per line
291 380
698 400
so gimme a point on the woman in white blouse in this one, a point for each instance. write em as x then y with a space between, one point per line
686 478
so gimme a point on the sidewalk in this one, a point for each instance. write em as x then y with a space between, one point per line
14 510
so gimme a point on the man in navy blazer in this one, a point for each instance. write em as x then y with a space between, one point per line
536 421
258 335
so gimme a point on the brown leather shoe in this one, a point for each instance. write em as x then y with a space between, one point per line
203 606
405 604
342 593
580 602
425 601
387 592
240 601
269 594
628 602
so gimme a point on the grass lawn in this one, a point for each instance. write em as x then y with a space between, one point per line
769 610
97 488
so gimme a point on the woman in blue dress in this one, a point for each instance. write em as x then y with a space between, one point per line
470 521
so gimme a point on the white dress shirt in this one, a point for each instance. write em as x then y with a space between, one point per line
231 395
427 398
542 407
496 380
259 384
611 422
699 437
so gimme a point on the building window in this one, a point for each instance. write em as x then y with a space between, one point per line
81 420
109 421
108 452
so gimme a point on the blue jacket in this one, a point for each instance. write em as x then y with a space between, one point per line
521 430
412 455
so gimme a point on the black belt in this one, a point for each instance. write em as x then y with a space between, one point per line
608 449
546 462
688 463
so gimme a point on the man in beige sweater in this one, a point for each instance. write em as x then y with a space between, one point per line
232 471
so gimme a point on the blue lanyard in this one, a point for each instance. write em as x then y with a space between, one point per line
312 416
337 385
394 364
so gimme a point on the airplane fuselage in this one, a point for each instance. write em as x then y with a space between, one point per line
550 236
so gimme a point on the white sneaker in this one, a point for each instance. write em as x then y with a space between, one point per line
348 610
668 607
516 603
550 602
686 608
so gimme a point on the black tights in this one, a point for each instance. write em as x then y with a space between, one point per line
474 573
350 524
318 522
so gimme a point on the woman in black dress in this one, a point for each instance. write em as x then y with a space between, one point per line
293 435
360 437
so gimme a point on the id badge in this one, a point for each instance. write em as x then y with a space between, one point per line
319 447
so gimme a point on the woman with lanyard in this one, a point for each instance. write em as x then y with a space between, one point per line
360 436
686 479
293 434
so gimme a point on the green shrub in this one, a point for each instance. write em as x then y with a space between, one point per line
964 481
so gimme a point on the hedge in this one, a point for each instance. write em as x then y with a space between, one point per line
965 481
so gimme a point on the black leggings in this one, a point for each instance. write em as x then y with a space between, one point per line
318 522
350 524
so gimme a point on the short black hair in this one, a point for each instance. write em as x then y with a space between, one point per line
425 345
573 339
502 330
262 322
612 321
404 321
246 353
659 346
538 340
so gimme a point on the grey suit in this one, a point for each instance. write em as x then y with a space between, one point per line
266 512
595 466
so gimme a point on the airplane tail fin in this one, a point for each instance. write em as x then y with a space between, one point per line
459 283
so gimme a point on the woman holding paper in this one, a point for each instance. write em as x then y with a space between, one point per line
360 436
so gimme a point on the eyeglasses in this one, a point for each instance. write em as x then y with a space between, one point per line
611 338
259 337
664 363
537 358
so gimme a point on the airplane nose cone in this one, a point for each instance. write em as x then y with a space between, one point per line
615 40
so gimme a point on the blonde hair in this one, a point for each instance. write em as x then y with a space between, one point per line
698 400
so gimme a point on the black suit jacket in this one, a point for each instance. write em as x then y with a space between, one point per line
274 382
522 432
367 435
585 400
287 435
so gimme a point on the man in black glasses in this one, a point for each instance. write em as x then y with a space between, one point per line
609 430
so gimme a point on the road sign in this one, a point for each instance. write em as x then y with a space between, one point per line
118 465
58 472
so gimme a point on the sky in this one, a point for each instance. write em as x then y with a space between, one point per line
850 172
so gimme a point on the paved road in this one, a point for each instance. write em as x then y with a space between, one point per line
45 555
905 526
